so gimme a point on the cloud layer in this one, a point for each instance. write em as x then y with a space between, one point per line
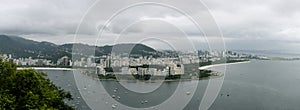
252 24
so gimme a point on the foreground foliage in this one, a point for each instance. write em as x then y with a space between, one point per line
29 89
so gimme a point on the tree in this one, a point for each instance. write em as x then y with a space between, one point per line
29 89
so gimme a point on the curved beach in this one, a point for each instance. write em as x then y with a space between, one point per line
214 65
44 68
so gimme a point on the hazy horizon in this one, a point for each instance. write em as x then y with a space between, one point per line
246 25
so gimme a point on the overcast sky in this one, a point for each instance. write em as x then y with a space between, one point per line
245 24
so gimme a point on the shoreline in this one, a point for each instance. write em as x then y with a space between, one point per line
69 69
214 65
151 81
45 68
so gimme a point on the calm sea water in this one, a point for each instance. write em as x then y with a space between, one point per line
272 85
267 85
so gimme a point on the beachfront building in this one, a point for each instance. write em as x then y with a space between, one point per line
64 61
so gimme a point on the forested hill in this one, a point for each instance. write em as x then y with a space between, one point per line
20 47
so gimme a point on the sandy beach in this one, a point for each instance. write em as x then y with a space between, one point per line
69 69
44 68
214 65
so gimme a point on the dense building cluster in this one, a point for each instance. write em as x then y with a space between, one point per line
27 61
162 65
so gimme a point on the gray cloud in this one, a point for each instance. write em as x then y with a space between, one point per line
245 24
40 17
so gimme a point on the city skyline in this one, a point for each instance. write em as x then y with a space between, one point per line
149 54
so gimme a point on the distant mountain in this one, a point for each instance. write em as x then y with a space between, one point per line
20 47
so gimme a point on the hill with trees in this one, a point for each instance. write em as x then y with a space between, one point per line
29 89
20 47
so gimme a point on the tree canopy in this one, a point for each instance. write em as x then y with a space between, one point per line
29 89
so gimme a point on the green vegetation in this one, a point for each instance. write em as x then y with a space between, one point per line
107 76
139 77
204 73
29 89
24 48
142 77
50 66
172 77
204 63
109 69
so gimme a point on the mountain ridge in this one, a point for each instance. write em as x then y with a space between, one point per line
23 48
